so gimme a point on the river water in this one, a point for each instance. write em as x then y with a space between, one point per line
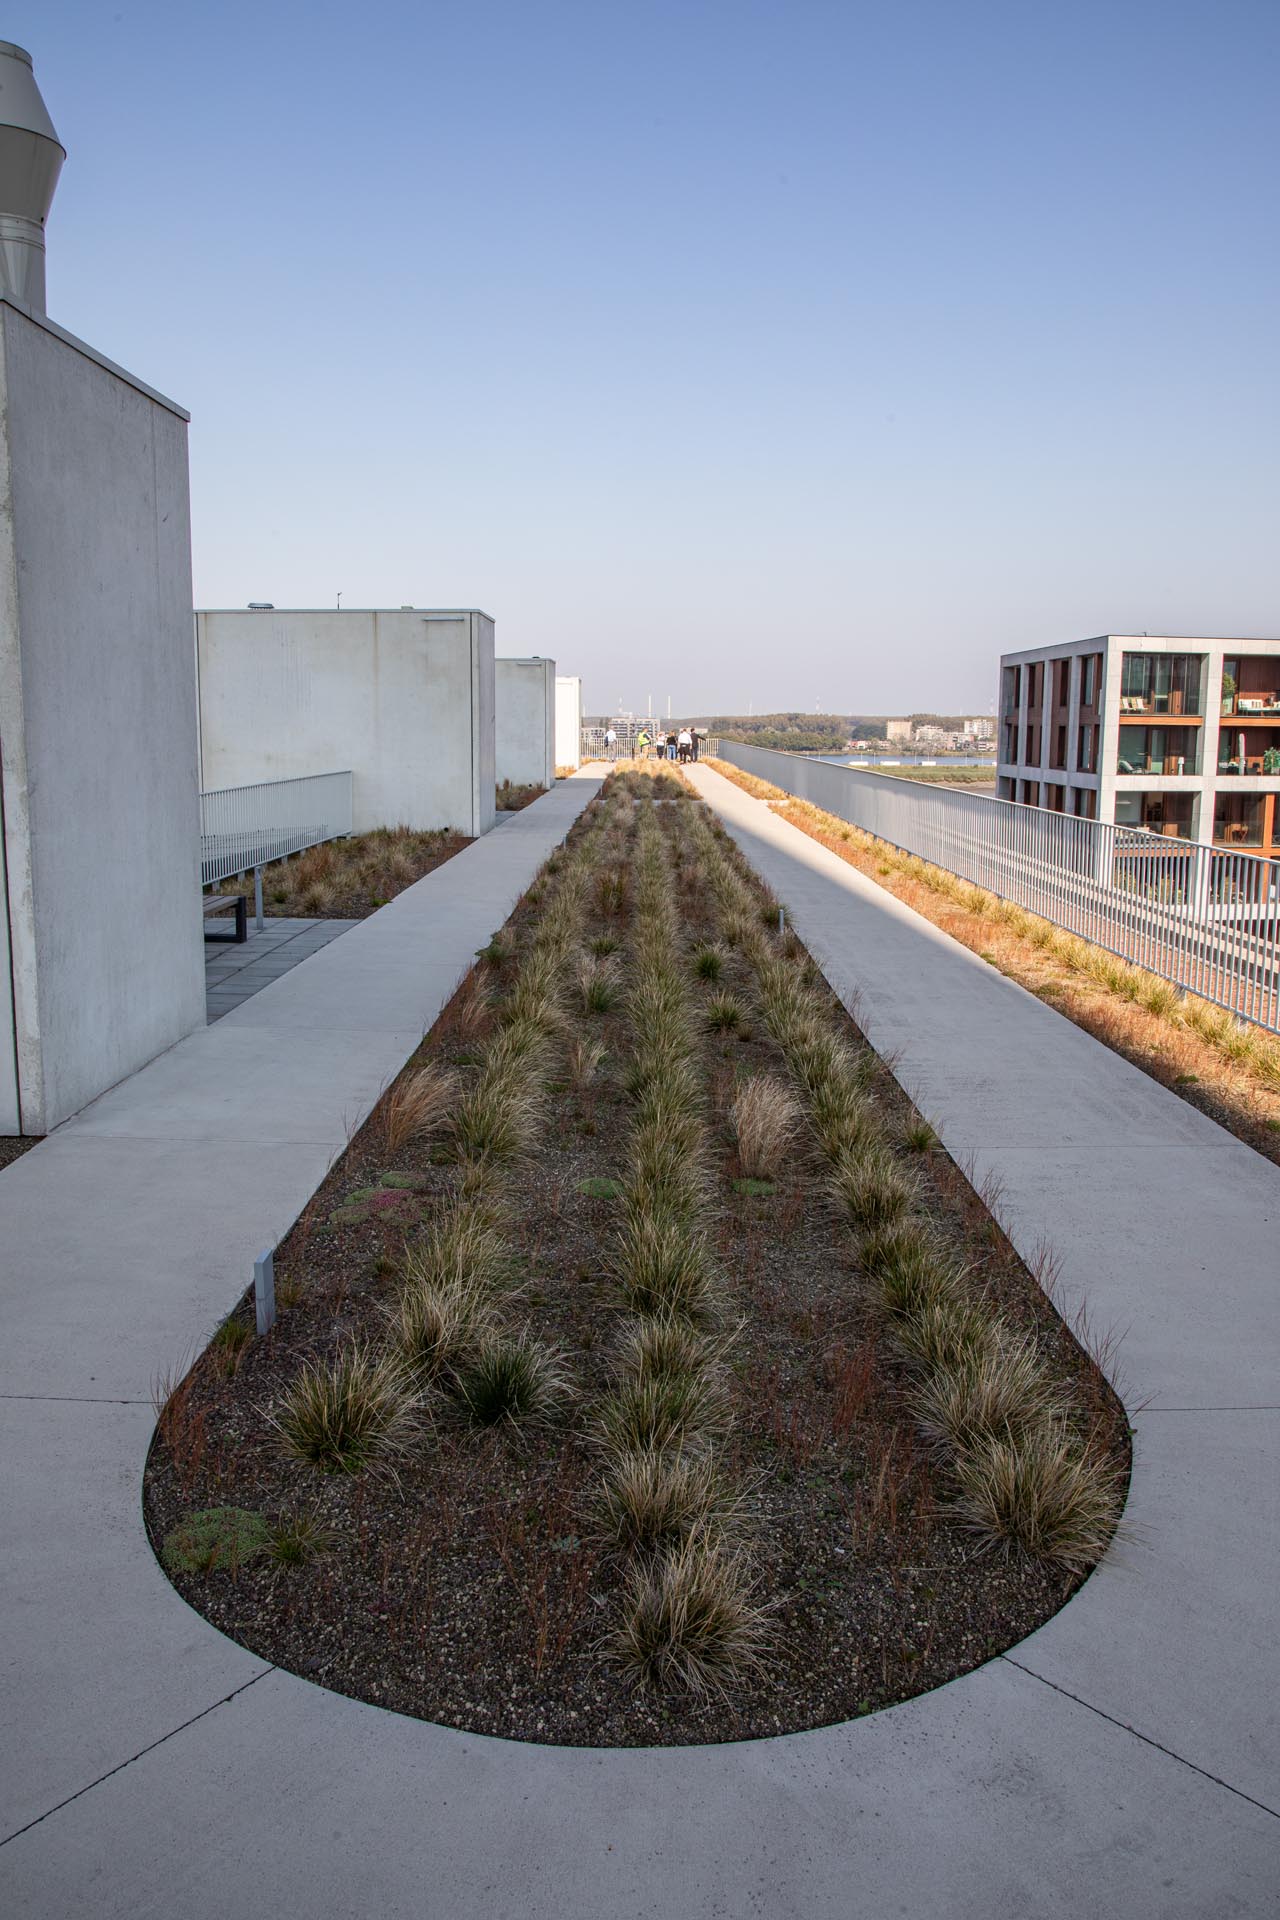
904 759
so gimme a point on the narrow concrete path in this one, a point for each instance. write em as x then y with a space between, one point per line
1123 1759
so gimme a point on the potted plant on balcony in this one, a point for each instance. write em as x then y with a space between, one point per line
1271 760
1228 693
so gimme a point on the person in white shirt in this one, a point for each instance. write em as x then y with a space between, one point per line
611 743
684 743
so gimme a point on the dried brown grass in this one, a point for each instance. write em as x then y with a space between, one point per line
763 1116
418 1105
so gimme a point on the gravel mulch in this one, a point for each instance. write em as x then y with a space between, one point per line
13 1146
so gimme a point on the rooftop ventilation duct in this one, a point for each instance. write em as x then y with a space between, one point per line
31 158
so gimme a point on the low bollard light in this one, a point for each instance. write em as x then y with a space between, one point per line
264 1290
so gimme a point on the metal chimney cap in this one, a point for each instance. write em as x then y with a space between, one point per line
31 157
20 102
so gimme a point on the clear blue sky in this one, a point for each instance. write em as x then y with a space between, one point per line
774 353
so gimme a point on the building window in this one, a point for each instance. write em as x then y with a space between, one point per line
1251 687
1238 819
1087 748
1253 750
1089 679
1059 758
1062 682
1167 750
1161 683
1055 798
1172 814
1011 693
1086 802
1031 793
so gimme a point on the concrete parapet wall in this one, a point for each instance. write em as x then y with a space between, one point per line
101 926
405 700
568 720
525 703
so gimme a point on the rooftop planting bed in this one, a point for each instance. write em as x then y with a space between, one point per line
646 1372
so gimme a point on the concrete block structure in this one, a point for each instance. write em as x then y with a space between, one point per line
101 948
1178 736
568 721
525 704
404 699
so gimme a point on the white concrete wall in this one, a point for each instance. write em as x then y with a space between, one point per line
568 719
525 709
97 695
403 699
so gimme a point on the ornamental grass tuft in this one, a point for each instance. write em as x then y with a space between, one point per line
659 1410
873 1190
996 1390
417 1105
763 1117
690 1622
513 1379
1042 1492
656 1497
355 1412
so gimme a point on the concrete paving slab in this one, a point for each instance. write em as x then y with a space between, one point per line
363 992
1194 1228
117 1264
232 1085
1160 1598
86 1697
994 1799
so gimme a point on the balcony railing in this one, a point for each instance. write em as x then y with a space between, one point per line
1251 706
1165 764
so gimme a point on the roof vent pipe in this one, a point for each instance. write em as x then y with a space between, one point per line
31 158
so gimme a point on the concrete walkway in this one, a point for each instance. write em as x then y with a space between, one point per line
235 970
1122 1760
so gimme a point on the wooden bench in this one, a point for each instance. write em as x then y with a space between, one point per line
220 903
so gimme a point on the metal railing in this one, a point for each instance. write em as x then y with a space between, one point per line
242 828
1205 919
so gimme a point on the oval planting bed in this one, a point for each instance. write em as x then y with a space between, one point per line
645 1371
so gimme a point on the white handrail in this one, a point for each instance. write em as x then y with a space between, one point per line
246 827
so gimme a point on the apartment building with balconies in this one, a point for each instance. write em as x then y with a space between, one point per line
1178 736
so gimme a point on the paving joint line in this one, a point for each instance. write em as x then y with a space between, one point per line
1146 1738
139 1755
80 1399
1254 1406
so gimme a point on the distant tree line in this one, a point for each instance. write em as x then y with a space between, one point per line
805 732
788 732
817 732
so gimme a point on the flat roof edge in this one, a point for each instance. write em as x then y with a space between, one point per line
92 353
437 613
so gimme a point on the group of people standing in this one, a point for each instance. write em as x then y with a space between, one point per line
681 744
